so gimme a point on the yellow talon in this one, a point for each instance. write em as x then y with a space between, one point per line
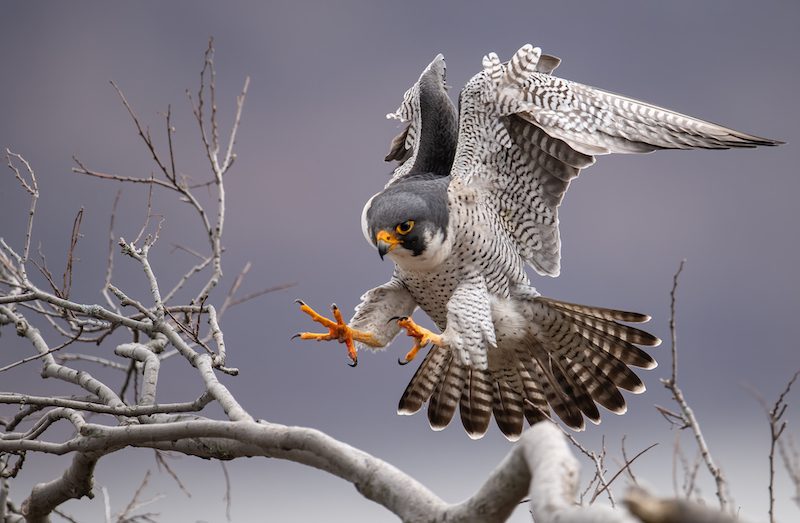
421 335
337 330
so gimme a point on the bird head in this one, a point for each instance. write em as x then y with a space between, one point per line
407 221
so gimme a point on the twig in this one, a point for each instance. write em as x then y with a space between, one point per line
141 255
625 457
189 332
144 136
42 354
73 242
46 272
101 408
161 462
82 169
65 516
776 427
227 496
106 504
216 333
230 157
597 459
687 414
132 370
170 132
195 269
253 295
149 213
125 300
5 472
17 298
179 247
32 189
625 467
111 243
673 331
92 359
134 502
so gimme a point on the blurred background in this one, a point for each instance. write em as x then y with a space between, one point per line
310 152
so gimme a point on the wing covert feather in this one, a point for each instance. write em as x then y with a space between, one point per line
525 134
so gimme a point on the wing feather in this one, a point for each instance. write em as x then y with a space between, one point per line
525 134
427 143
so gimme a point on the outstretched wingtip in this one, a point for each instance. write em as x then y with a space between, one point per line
437 67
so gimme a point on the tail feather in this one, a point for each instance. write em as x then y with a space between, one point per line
533 414
447 393
623 332
571 358
507 408
561 347
597 312
535 406
476 403
562 405
604 391
595 358
577 390
626 352
421 386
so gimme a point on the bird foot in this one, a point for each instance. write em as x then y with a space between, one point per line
337 330
421 335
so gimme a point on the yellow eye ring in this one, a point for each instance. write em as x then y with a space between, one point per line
405 227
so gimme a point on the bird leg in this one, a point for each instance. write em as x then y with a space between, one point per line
337 330
421 335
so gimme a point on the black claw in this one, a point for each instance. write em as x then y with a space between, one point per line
397 318
354 364
299 302
333 307
295 336
401 361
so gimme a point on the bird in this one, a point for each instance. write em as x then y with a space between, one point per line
472 202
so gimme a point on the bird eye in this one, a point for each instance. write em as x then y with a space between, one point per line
405 227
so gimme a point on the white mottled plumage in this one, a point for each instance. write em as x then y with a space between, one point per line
502 171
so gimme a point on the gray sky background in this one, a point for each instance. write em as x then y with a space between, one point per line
310 149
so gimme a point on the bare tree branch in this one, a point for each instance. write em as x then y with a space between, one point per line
777 425
73 242
650 509
625 467
540 465
687 414
33 189
161 462
227 497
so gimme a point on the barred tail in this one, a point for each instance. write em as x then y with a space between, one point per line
571 359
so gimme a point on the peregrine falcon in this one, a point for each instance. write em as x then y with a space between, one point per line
474 200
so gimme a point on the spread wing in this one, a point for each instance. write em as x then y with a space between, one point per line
428 142
525 134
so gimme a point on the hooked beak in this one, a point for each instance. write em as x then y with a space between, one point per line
385 241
